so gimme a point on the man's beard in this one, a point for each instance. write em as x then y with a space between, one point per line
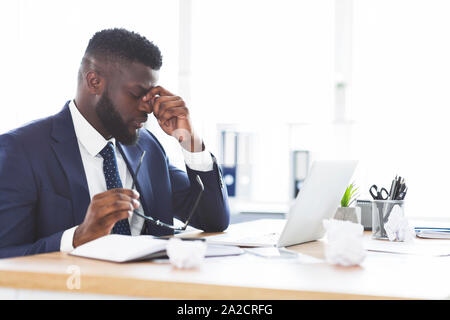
113 122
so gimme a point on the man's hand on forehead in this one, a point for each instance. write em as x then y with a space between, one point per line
156 92
173 116
153 97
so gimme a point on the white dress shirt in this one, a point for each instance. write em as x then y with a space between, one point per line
90 143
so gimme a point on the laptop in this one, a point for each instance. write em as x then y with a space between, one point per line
317 200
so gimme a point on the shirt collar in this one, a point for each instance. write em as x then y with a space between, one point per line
87 135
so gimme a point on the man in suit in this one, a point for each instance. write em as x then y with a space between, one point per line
66 179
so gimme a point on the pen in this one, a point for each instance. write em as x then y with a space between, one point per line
191 239
402 195
397 187
391 192
394 188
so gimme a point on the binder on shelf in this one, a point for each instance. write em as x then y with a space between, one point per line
229 160
300 160
244 167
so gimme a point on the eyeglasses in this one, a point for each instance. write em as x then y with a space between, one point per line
158 222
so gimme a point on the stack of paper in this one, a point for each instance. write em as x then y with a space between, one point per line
435 248
432 233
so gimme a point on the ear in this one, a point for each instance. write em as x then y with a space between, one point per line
95 83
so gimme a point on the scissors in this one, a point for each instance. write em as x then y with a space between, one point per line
383 194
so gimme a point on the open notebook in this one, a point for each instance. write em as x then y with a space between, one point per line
122 248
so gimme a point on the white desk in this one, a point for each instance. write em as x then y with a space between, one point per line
247 276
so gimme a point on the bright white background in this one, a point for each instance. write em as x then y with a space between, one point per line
364 79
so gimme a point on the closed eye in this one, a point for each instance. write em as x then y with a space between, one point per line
135 96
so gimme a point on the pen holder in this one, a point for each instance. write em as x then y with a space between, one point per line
381 210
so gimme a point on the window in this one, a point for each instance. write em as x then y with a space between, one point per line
261 67
46 40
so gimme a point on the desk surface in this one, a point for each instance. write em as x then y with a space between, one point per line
381 275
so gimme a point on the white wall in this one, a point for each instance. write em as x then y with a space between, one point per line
400 97
43 43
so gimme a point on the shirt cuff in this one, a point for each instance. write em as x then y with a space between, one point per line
67 240
198 161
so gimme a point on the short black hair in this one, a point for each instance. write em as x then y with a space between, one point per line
120 44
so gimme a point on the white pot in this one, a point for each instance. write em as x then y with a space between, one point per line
352 214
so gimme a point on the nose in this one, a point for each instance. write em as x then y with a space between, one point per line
145 106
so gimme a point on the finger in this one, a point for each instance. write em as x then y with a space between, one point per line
129 192
147 96
161 103
158 90
175 112
111 219
171 106
155 93
115 197
117 206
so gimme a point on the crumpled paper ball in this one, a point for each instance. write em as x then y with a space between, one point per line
185 254
397 227
345 245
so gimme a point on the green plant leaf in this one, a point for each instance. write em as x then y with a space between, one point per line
349 196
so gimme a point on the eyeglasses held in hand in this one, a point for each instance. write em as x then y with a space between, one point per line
158 222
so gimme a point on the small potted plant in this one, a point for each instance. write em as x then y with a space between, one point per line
345 212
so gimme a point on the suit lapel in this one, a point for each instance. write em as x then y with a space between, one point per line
65 146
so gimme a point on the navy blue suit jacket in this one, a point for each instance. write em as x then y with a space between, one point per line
44 191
